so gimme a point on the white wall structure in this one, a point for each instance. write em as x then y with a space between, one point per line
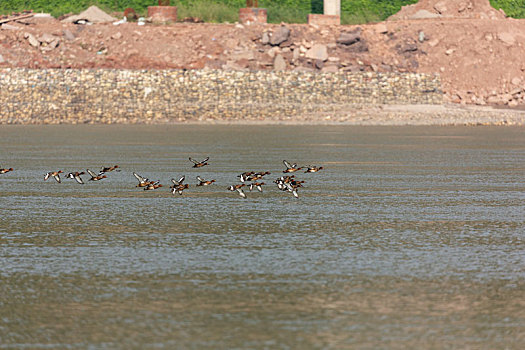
332 7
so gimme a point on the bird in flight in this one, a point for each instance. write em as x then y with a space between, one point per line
200 164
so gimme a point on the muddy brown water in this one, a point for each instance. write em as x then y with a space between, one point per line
411 237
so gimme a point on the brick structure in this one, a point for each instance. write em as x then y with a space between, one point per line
162 13
324 20
253 15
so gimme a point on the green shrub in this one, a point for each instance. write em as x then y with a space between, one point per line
512 8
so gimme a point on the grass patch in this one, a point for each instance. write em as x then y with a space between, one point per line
278 14
360 17
208 11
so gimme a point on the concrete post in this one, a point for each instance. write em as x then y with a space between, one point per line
332 7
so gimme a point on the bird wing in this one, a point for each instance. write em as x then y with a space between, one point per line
178 183
200 179
287 165
78 179
193 160
138 177
91 173
241 193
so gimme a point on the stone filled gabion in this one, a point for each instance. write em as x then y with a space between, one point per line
51 96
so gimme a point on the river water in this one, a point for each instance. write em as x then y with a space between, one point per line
411 237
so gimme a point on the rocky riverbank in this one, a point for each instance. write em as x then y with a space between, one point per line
153 96
110 96
474 49
398 115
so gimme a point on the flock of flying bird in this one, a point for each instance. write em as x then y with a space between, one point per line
251 179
